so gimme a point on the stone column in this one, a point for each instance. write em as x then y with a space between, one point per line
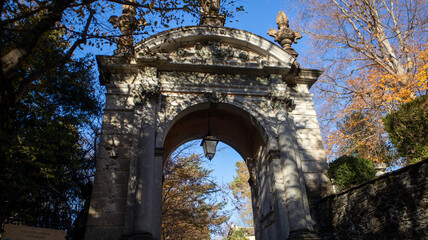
278 201
139 218
299 226
140 187
157 193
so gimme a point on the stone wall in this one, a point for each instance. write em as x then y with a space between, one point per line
391 206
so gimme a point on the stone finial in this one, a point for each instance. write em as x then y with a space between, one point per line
285 36
380 168
127 24
210 13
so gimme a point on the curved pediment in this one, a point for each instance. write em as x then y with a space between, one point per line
213 46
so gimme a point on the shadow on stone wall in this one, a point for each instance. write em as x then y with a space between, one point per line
391 206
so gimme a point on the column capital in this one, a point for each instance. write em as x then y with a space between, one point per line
149 87
145 92
280 95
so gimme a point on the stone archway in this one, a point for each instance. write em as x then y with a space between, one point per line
233 126
159 98
229 123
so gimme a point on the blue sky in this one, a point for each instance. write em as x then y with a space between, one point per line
261 15
258 18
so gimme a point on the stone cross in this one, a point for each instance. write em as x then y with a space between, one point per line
285 36
210 13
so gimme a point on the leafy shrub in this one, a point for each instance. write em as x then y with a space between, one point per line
408 130
237 234
347 171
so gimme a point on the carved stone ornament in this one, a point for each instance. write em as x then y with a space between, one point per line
127 24
210 13
215 97
244 56
181 52
282 99
214 50
285 36
145 92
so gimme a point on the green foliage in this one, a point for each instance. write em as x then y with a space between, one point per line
408 130
237 234
347 171
190 209
47 160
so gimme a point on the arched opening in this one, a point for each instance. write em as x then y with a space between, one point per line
211 199
232 126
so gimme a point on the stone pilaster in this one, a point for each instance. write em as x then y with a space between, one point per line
279 204
157 193
139 217
295 194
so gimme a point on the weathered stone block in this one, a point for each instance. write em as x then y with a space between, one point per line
316 178
104 233
304 110
313 133
313 155
115 205
118 122
111 175
314 166
106 219
119 102
317 185
108 191
310 143
306 122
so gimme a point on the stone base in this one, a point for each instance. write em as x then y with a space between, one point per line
138 236
302 235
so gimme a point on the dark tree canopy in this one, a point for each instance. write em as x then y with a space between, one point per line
408 130
348 171
47 161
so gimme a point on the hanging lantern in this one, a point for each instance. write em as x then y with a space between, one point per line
209 144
